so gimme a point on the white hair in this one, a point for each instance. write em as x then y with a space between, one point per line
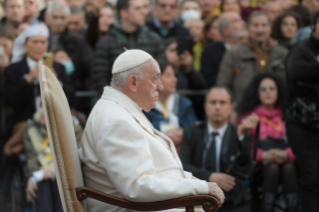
119 79
57 5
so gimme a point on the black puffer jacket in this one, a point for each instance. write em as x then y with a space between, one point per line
82 56
113 44
303 71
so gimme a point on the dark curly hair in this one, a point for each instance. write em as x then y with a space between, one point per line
276 29
251 97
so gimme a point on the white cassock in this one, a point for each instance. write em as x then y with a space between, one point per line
124 156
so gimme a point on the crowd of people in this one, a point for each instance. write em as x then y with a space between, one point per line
258 62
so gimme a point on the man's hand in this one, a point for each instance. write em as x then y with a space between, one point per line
32 187
176 135
249 123
48 171
186 59
215 191
225 181
33 75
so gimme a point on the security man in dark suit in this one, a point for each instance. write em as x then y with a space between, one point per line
209 148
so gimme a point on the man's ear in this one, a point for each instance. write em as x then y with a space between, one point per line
132 83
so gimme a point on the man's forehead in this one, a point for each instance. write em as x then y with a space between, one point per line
218 94
137 3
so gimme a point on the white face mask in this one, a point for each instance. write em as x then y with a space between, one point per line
190 14
69 67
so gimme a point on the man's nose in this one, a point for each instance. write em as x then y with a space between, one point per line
160 86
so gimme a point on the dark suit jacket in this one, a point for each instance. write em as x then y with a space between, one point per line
191 155
211 58
19 94
177 31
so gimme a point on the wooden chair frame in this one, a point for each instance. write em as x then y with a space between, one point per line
209 203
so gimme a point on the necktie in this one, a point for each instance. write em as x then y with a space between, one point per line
210 145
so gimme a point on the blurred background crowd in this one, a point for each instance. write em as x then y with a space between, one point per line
240 98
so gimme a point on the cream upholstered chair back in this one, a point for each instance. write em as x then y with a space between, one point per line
62 140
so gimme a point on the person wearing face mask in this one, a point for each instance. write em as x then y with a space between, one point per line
190 8
21 77
264 101
60 56
57 16
258 53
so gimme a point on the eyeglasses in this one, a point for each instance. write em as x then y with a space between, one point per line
170 6
264 89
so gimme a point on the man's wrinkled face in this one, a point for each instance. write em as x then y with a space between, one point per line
165 10
237 27
58 20
218 105
15 11
149 87
259 29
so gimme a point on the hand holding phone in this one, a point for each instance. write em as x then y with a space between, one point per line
48 59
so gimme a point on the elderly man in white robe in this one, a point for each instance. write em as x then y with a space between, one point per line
122 154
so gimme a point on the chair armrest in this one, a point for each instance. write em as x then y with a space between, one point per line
209 203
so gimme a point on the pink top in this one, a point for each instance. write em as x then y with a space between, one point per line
265 130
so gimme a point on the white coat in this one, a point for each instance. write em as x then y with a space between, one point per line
124 156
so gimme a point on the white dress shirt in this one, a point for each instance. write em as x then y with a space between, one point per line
32 64
218 141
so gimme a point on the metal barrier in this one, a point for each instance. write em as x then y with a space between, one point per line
93 94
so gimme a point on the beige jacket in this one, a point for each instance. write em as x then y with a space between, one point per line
124 156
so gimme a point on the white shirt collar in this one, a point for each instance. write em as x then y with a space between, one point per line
221 131
32 63
227 46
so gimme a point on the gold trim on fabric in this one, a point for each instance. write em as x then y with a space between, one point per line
57 147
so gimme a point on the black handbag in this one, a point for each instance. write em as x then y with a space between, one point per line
269 142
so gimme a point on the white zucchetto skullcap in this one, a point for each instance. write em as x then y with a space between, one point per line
18 51
130 59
